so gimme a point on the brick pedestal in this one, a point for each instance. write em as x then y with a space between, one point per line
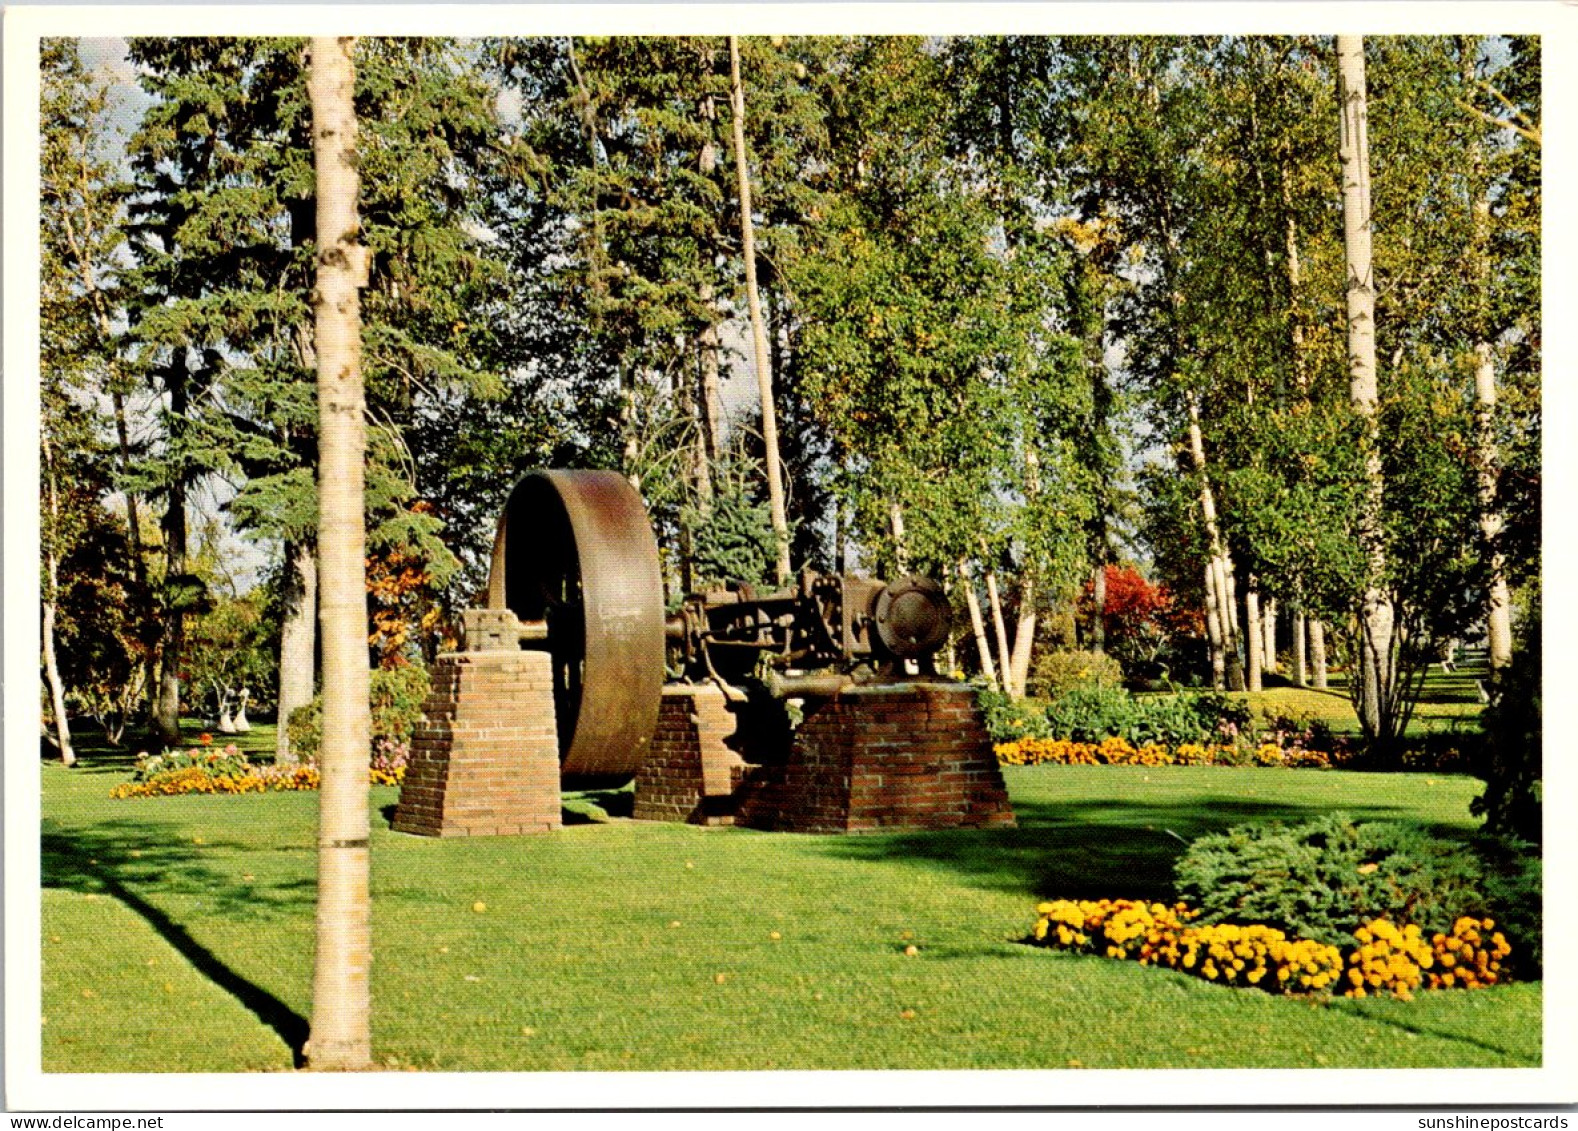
891 756
485 758
689 772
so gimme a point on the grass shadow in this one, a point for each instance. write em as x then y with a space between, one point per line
1084 849
1354 1010
114 860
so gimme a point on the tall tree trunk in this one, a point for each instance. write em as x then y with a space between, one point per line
1375 682
1219 571
977 625
994 599
901 556
134 531
1024 639
298 639
1254 638
1018 669
1293 270
80 242
1317 630
764 376
1300 647
709 402
1268 650
1498 602
1098 598
57 688
1213 628
341 997
172 639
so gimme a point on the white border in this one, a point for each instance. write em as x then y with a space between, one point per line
29 1089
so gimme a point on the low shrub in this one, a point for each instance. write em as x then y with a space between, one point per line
1319 878
1057 672
395 695
1008 719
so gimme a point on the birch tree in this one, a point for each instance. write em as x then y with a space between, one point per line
341 1000
1375 682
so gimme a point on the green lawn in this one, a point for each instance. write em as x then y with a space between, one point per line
618 945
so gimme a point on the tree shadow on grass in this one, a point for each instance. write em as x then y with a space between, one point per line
1354 1010
119 857
1085 849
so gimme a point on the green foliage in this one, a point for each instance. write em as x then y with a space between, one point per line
231 646
1092 714
1323 878
732 537
1056 672
1511 765
1008 719
396 696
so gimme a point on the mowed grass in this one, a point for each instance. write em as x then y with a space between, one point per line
177 936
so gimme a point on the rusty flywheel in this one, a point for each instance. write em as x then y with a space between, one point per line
576 555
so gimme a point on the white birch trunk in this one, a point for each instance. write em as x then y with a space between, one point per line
977 625
1219 585
999 624
298 639
1300 646
1498 603
1213 628
1024 640
341 995
764 376
1268 650
901 557
57 687
1318 654
1254 639
1098 597
1375 679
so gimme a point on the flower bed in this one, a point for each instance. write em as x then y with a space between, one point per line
1384 957
228 771
1120 752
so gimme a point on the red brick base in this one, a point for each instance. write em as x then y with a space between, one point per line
689 771
879 757
485 758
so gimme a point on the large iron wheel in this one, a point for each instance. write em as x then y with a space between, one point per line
575 552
